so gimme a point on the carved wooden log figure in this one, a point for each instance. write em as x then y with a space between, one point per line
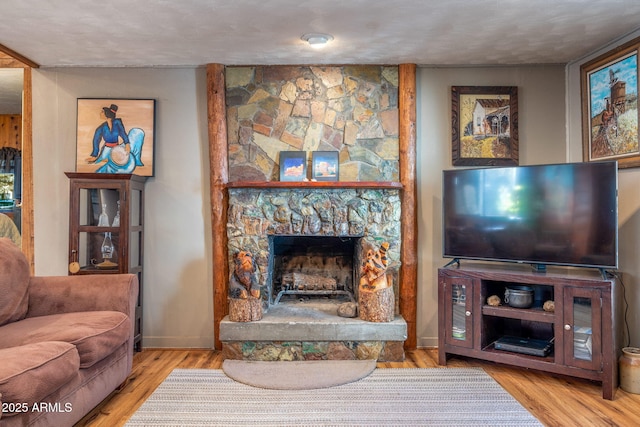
243 281
374 268
245 304
376 299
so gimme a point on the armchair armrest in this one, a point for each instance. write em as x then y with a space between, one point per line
97 292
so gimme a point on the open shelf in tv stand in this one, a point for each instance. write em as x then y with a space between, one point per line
581 296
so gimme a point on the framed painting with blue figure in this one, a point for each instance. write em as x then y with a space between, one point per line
325 166
115 136
293 165
610 106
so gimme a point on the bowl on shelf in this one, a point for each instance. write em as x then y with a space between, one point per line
519 296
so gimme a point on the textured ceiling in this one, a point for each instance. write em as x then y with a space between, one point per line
126 33
424 32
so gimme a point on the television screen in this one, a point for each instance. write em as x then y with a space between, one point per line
564 214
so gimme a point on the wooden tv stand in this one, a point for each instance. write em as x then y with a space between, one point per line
583 327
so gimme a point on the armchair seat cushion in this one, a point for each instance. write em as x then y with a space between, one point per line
94 333
31 372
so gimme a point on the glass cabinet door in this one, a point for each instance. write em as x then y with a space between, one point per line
99 207
98 228
459 322
582 327
98 250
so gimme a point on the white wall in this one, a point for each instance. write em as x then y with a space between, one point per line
542 140
628 198
178 297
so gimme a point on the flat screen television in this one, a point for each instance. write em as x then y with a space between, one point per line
556 214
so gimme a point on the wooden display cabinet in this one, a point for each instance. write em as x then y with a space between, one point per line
583 328
106 224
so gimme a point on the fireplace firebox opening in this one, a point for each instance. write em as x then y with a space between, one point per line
312 266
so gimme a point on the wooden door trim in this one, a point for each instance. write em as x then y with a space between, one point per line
10 59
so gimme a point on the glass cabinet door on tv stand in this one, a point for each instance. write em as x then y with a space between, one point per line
106 216
459 322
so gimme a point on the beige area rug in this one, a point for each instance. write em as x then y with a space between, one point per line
297 375
387 397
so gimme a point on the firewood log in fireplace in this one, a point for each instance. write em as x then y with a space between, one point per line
308 282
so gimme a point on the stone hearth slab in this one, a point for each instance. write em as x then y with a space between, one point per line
311 320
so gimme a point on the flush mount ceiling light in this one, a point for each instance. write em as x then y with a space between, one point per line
317 40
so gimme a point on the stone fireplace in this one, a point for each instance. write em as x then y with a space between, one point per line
365 112
317 235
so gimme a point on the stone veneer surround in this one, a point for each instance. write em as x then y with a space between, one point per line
302 332
256 213
350 109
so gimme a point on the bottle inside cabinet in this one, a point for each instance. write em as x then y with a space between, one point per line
98 206
99 240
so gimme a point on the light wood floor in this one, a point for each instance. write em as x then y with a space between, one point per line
554 400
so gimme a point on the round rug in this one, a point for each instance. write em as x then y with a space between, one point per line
297 375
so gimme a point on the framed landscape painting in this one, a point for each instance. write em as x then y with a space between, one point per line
484 125
610 106
293 165
115 136
325 166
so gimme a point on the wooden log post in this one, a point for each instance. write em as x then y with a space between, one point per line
408 286
245 309
219 174
377 305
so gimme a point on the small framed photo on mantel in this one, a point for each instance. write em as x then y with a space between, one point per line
325 166
293 165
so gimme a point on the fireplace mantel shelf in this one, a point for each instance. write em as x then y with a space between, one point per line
315 184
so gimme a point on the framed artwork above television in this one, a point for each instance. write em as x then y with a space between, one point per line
610 106
484 125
